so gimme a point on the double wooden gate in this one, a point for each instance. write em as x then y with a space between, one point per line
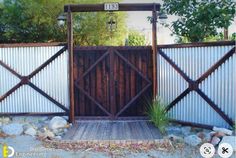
112 81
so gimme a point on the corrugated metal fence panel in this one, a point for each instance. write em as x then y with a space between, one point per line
220 87
53 79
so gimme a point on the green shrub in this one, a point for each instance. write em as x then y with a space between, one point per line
158 114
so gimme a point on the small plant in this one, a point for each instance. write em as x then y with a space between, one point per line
158 114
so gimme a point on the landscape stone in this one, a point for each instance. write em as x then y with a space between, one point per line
196 129
58 132
201 135
36 119
174 130
13 129
208 137
58 137
66 117
65 130
30 131
175 138
219 134
19 119
186 130
212 133
57 122
46 133
4 120
215 140
39 125
192 140
206 131
223 130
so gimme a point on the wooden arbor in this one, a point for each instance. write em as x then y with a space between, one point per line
154 7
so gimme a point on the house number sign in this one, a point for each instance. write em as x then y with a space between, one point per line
111 6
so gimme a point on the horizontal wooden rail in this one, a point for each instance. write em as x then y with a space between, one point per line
35 114
197 44
10 45
89 48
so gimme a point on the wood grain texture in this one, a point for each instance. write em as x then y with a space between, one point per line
113 130
110 81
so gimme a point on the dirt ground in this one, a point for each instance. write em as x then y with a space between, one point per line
27 146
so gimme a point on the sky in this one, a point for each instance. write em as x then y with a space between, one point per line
138 21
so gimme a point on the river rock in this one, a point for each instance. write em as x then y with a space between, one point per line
175 138
57 122
58 137
223 130
58 132
19 119
13 129
186 130
174 130
4 120
206 137
219 134
215 140
36 119
192 140
46 133
30 131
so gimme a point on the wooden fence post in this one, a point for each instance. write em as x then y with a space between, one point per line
71 61
154 49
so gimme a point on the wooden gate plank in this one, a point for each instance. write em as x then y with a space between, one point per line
112 84
81 83
92 99
113 73
93 85
133 99
127 80
121 84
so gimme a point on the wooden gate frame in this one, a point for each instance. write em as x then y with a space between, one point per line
154 7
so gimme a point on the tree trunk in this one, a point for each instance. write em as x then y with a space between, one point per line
226 36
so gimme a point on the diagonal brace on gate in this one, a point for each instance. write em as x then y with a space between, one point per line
141 92
194 85
85 74
25 80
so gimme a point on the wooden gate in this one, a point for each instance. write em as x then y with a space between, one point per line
112 81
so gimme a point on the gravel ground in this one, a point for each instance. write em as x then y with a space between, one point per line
27 146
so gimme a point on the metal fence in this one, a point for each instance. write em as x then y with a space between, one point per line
197 81
33 79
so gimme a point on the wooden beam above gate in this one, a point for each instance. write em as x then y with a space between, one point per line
122 7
